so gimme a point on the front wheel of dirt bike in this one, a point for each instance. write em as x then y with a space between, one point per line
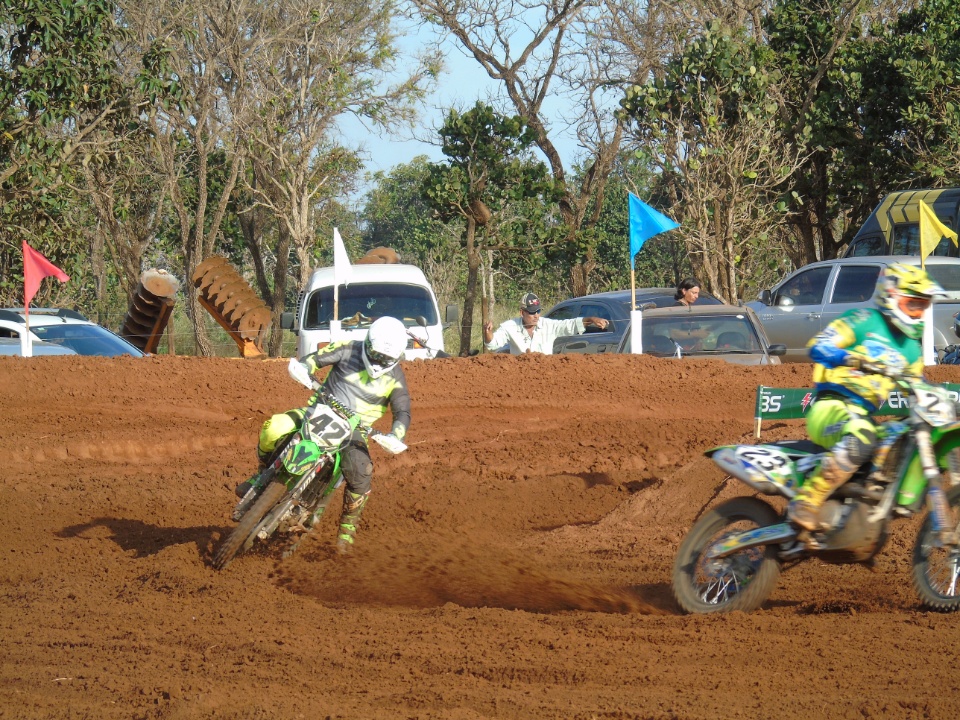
741 581
936 569
271 495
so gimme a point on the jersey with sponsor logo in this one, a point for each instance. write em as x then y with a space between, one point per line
866 333
350 383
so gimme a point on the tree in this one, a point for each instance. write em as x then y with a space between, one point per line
62 90
488 166
711 125
663 260
541 50
209 47
317 63
397 214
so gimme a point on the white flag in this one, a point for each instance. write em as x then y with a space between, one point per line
342 269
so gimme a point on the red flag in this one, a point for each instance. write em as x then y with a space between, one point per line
35 268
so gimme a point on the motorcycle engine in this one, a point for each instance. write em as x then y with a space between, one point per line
852 537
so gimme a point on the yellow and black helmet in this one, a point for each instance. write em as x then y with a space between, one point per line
903 293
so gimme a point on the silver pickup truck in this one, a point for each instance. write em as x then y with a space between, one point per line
810 298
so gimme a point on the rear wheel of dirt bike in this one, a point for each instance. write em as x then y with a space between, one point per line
271 495
936 569
741 581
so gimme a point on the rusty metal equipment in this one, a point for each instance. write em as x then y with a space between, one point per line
232 302
379 256
150 309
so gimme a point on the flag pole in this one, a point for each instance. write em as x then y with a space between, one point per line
335 321
644 223
636 316
26 343
932 232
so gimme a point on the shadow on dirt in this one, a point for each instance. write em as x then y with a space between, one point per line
143 539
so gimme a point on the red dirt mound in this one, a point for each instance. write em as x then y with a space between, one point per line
514 563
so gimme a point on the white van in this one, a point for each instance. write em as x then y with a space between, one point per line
375 290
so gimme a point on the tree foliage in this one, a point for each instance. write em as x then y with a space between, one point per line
62 87
710 124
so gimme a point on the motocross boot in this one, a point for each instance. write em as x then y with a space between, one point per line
804 509
349 519
243 488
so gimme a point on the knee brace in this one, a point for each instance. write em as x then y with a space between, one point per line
855 448
357 468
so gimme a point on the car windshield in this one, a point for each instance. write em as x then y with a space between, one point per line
86 339
361 303
700 335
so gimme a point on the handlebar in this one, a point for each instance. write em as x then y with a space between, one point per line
298 371
423 343
858 362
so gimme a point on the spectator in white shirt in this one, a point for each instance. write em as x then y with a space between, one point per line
531 333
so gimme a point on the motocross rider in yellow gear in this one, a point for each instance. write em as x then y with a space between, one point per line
839 418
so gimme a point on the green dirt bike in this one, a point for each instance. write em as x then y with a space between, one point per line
731 557
301 476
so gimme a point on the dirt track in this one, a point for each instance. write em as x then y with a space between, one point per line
515 563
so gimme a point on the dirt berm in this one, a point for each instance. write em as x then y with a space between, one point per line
514 564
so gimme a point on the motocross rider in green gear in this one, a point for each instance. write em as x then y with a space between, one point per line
839 418
365 376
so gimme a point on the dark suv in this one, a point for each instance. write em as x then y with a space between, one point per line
615 307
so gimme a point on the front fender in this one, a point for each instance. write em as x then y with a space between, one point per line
301 456
944 439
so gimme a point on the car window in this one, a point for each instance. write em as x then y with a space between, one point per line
855 283
805 288
868 247
564 312
86 340
906 241
595 310
947 276
706 335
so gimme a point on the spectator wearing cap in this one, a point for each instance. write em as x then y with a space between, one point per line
531 333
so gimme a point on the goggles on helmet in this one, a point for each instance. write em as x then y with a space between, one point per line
912 306
379 358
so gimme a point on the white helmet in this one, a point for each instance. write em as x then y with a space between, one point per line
384 346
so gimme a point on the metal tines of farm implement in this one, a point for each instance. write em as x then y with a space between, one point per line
150 309
233 303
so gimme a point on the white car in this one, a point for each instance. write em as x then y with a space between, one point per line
13 346
67 329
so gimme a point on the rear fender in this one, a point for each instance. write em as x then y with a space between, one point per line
765 468
769 535
944 439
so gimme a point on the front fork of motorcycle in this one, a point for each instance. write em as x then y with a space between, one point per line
944 528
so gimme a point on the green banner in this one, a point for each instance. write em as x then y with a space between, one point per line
791 403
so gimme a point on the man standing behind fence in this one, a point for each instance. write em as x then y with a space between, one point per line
531 333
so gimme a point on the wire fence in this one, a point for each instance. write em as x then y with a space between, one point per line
180 329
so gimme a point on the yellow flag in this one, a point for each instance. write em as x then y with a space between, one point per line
931 231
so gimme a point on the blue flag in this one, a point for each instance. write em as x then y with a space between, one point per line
645 222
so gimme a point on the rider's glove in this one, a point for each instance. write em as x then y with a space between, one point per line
852 361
